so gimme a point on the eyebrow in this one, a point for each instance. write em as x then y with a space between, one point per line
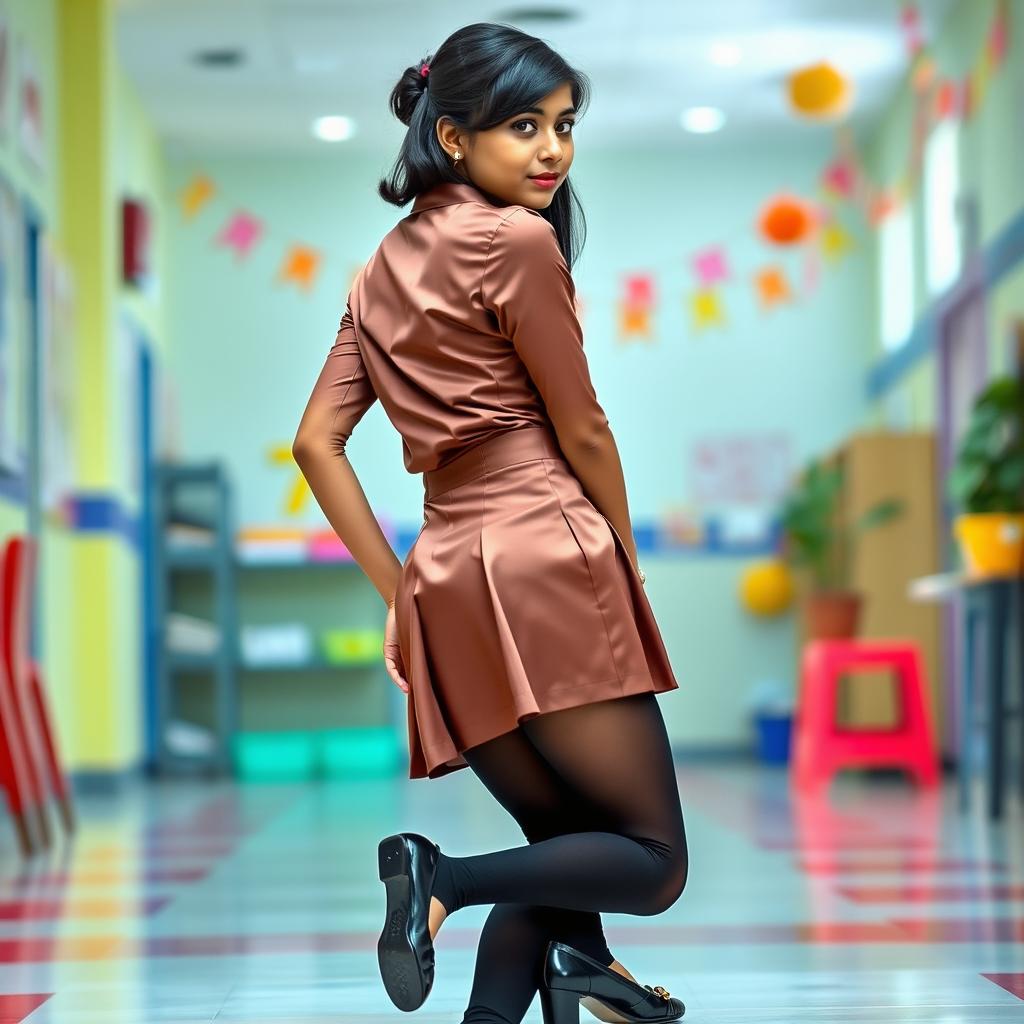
539 110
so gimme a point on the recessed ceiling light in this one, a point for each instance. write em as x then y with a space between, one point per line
725 54
333 128
702 119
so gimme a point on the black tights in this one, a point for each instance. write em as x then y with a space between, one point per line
593 788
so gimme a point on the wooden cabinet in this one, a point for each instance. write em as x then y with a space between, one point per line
883 560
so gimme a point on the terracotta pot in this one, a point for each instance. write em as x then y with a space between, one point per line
832 614
991 543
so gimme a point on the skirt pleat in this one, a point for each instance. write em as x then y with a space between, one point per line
517 598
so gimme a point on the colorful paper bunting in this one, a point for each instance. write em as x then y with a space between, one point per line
300 265
711 266
196 195
706 308
240 234
772 286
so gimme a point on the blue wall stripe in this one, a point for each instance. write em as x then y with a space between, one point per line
102 513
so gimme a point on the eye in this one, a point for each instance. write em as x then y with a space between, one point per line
527 120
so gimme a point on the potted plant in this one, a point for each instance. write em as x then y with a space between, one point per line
987 482
813 538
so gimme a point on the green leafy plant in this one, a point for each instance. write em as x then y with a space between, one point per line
988 473
808 519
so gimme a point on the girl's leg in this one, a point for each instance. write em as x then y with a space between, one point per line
616 754
516 775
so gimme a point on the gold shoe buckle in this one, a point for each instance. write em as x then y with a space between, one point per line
663 992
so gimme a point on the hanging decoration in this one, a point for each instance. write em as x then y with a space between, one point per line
772 286
820 92
786 220
635 307
706 309
240 234
936 96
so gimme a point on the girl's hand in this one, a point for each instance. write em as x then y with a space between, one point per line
392 653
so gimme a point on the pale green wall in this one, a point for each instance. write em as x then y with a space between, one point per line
991 162
245 353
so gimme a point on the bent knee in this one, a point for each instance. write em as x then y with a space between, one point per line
671 883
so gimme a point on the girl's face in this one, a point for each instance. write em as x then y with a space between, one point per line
503 160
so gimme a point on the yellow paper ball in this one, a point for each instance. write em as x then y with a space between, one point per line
819 91
766 587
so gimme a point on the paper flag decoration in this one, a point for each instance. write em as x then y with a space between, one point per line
772 286
706 308
300 266
639 289
913 32
710 266
881 206
240 234
634 320
839 177
835 240
196 195
997 36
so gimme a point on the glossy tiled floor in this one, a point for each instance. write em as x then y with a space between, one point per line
189 902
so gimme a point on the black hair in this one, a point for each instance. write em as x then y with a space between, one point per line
481 75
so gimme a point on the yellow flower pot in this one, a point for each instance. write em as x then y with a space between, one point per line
992 543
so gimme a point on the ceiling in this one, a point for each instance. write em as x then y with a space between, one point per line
647 61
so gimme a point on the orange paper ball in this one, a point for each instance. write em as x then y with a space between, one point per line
819 91
786 220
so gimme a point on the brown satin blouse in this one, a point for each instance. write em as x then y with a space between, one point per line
463 323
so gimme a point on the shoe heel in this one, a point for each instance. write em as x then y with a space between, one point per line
392 858
559 1005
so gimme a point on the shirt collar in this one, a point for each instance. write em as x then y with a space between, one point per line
448 192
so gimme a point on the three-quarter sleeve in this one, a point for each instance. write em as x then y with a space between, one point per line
527 285
343 391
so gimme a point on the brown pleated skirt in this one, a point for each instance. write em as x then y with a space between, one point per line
516 598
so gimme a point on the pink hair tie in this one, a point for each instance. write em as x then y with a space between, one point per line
424 70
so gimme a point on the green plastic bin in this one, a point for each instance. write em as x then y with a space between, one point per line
359 753
275 756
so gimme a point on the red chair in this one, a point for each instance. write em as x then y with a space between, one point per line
15 772
820 748
26 714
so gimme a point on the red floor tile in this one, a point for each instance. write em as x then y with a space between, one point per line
14 1009
52 910
930 893
895 865
1013 983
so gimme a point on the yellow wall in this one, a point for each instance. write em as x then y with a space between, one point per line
89 580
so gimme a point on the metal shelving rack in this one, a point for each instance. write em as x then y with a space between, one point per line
173 485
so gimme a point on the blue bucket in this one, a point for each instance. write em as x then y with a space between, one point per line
773 735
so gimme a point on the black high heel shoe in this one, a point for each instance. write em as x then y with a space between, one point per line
407 863
570 975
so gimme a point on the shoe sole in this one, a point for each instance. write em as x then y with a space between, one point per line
400 970
604 1012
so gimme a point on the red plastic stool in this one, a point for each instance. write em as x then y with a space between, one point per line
26 719
820 747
